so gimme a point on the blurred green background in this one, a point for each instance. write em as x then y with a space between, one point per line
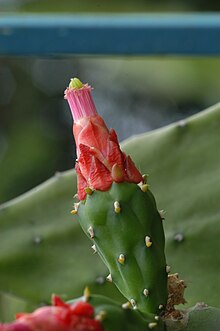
135 94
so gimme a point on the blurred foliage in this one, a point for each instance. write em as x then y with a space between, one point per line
35 125
133 94
108 6
32 131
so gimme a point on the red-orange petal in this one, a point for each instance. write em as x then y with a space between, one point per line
113 136
85 160
99 177
81 308
81 183
94 135
115 155
58 302
134 176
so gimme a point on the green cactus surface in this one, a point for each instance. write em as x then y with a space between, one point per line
43 251
198 318
203 318
126 229
9 305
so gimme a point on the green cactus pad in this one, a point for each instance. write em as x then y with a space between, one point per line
203 318
198 318
119 222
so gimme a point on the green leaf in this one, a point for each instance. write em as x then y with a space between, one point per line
43 251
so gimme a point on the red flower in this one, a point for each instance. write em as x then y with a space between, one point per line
58 317
100 159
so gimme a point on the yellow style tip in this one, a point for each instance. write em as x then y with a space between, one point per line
75 83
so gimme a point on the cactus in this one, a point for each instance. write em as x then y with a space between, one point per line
119 216
183 150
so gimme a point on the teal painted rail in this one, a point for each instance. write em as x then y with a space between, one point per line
46 35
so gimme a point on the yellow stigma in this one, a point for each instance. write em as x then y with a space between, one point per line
73 212
75 83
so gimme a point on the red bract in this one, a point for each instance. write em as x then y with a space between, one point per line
100 159
58 317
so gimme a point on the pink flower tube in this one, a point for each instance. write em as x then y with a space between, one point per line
100 160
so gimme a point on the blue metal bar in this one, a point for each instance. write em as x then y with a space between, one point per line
46 35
